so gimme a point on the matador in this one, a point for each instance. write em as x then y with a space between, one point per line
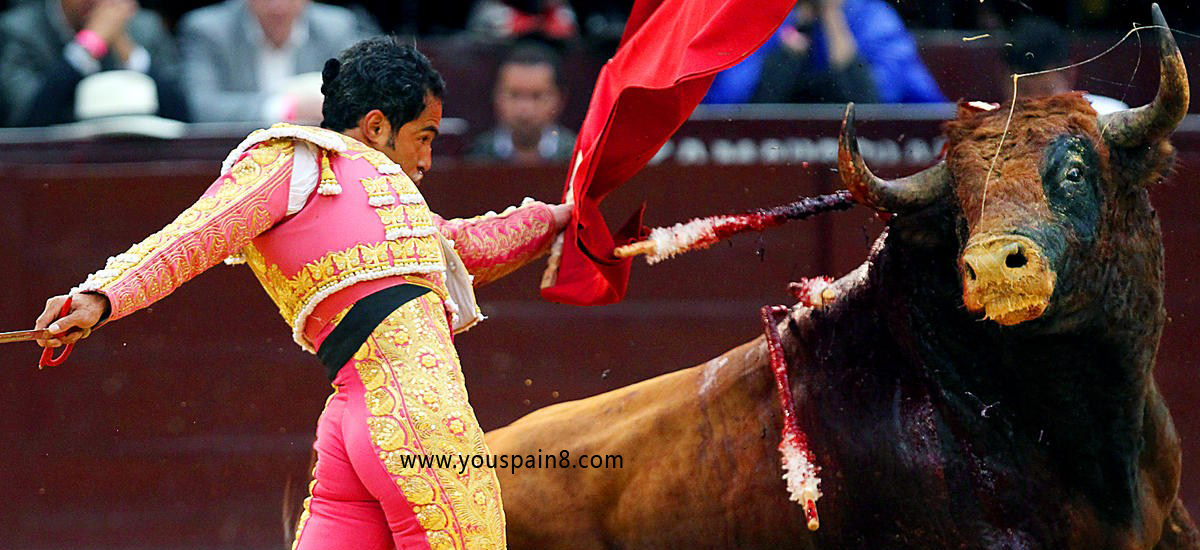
331 222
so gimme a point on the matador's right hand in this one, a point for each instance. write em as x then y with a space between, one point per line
562 215
87 308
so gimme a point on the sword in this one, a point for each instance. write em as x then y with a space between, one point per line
25 336
30 335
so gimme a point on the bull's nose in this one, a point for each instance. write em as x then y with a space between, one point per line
995 258
1007 278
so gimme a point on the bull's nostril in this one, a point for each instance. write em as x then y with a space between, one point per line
1016 259
970 272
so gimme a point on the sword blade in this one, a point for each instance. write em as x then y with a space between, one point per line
24 336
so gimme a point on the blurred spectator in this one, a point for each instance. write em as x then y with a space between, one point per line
260 60
52 45
552 21
1039 44
878 38
795 73
602 22
528 99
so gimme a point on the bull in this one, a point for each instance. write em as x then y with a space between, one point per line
983 380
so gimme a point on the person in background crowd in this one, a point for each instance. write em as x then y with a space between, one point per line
796 72
549 20
51 46
876 35
602 22
528 97
241 57
1038 44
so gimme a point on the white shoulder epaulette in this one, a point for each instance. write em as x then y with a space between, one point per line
325 139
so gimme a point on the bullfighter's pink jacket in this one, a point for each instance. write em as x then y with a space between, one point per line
323 220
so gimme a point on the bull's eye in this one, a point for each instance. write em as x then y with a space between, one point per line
1074 175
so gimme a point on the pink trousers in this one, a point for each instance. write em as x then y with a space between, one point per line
400 398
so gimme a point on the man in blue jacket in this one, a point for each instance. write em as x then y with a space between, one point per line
840 50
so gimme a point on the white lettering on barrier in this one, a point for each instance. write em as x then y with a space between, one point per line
690 151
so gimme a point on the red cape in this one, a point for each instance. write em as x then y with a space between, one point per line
668 56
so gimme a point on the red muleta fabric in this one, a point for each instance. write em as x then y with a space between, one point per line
664 65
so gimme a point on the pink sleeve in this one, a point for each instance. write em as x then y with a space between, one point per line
494 245
240 205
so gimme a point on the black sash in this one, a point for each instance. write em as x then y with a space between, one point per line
360 321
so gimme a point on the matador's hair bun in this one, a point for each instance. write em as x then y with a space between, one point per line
328 73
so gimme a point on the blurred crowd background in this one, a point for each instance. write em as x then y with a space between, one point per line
519 70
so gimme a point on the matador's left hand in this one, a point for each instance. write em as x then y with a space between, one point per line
562 215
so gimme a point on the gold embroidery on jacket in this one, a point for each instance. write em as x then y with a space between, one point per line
414 217
359 150
192 242
377 189
411 256
402 185
410 250
417 400
491 248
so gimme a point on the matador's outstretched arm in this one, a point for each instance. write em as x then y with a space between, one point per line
241 204
494 245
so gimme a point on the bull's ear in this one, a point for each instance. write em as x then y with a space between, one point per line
1155 121
902 195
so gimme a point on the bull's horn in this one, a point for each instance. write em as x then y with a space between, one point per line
901 195
1156 120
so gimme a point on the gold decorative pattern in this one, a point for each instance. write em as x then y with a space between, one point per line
357 149
313 282
218 224
411 249
380 188
417 400
379 193
328 184
402 185
494 245
405 220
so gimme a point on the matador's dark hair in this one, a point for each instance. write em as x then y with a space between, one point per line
377 73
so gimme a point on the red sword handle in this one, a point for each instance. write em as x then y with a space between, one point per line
48 359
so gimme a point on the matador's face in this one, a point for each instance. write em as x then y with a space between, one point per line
411 146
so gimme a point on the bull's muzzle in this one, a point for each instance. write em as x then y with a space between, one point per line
1007 278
